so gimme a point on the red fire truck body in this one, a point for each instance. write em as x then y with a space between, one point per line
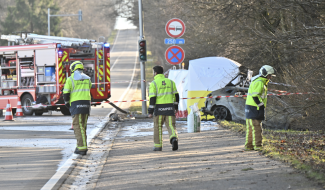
37 73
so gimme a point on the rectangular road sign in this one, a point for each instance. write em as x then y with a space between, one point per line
169 41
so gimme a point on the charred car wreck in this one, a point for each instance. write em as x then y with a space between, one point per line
279 113
229 108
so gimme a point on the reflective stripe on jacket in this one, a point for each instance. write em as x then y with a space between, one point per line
80 97
257 88
78 89
164 90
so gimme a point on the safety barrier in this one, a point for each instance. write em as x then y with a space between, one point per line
14 87
281 91
282 84
235 96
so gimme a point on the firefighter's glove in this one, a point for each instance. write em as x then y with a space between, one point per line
67 104
176 106
151 109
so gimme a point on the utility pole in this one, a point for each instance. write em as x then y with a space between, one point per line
49 16
142 63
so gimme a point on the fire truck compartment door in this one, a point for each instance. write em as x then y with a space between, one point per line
26 53
45 57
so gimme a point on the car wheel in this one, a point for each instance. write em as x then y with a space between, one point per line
221 113
26 102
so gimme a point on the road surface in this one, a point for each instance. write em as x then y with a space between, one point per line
34 148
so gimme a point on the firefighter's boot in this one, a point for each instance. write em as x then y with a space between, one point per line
259 148
248 149
77 151
157 148
174 142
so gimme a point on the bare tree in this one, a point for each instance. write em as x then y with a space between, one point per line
286 34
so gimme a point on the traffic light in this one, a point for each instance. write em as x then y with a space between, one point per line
142 50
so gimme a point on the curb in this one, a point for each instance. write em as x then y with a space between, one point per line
76 159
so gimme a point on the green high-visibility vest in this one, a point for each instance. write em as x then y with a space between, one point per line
164 89
78 89
258 88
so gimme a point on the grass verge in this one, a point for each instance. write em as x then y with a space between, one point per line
304 150
112 37
137 106
236 127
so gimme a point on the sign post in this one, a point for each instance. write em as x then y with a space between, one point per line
49 16
175 28
142 63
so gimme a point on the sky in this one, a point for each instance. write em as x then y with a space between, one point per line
122 24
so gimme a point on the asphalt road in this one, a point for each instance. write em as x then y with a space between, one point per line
33 148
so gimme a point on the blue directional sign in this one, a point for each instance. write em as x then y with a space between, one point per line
171 41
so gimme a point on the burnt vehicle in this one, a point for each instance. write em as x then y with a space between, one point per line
279 113
226 108
229 108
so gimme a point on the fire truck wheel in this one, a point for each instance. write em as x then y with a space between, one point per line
65 111
38 113
26 102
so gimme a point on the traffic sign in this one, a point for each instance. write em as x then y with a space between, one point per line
174 55
170 41
175 28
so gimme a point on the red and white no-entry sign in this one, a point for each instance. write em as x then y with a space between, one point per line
175 28
174 55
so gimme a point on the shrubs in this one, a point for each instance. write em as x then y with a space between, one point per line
304 150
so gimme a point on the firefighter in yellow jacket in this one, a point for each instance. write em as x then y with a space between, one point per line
255 107
76 94
164 100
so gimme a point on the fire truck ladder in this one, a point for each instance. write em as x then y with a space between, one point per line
101 87
26 39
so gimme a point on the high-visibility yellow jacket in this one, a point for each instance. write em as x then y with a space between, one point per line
257 88
164 90
80 97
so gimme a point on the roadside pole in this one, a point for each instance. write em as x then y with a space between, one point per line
49 19
142 63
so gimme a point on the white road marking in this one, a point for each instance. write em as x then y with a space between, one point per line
118 56
118 32
86 176
61 171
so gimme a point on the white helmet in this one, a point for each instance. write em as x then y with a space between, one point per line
267 70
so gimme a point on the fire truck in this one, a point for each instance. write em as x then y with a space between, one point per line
36 70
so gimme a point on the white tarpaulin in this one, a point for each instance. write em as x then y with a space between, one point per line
209 74
181 81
